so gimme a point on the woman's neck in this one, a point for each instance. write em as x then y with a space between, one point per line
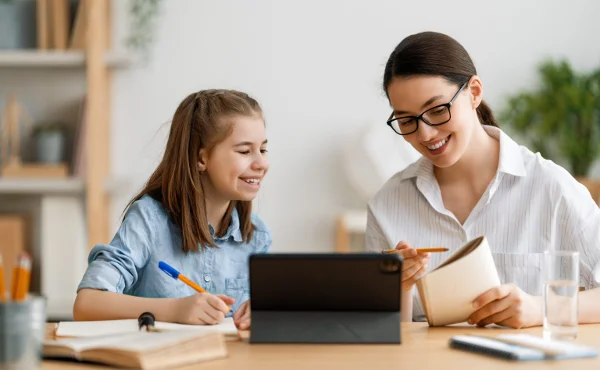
479 163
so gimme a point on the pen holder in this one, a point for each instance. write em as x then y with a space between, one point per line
22 330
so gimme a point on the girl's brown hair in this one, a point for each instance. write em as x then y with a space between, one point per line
434 54
199 122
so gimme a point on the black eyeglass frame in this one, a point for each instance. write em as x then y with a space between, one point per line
420 116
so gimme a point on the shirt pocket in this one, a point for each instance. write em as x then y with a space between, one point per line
523 270
237 289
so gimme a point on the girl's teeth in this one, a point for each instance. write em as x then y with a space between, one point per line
251 181
438 145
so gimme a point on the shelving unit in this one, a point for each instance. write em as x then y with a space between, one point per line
70 215
58 59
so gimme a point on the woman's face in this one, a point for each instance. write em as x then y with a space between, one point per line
445 144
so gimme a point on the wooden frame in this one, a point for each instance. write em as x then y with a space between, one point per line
98 120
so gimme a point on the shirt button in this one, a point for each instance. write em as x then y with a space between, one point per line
206 278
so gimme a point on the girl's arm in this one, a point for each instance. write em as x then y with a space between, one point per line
198 309
93 304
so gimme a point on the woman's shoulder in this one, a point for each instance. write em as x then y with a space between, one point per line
547 174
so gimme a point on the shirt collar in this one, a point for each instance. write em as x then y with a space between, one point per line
233 231
511 160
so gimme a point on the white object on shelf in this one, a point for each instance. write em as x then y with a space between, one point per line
40 186
355 221
63 251
34 58
374 155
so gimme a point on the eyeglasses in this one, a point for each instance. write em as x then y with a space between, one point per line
435 116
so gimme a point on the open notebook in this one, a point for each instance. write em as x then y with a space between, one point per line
110 327
141 350
448 291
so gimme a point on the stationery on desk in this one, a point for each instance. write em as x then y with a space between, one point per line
419 250
141 349
521 347
2 286
21 277
177 275
448 291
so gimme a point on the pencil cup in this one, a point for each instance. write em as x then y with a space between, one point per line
22 332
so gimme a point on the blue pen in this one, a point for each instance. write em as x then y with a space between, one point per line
177 275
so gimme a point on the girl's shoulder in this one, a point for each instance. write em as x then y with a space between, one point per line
259 225
147 207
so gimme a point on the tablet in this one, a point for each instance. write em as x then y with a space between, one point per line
325 298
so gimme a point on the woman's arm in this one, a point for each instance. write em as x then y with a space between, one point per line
92 304
589 306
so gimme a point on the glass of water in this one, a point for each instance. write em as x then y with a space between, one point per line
561 290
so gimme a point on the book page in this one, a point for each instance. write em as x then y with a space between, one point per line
134 342
111 327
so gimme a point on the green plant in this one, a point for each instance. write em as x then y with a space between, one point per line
47 127
562 117
143 15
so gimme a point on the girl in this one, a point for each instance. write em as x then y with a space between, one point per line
195 213
474 180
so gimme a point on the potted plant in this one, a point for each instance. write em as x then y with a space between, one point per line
561 119
49 139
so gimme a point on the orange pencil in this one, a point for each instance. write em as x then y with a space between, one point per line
21 277
2 286
421 250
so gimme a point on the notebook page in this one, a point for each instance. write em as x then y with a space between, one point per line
111 327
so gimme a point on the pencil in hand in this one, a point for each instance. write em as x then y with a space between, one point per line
420 250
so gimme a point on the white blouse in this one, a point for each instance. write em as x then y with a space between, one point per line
530 206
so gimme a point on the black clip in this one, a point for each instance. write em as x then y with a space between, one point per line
146 319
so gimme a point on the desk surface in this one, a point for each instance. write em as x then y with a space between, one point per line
422 348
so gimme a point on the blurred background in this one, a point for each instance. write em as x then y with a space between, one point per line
87 89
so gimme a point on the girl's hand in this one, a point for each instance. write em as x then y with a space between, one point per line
414 265
202 309
241 317
507 305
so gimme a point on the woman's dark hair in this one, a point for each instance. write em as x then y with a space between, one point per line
434 54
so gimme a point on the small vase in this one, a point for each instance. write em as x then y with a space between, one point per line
18 24
49 147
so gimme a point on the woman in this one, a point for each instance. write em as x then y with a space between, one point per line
474 180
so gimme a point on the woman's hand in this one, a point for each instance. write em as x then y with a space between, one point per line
202 309
414 265
507 305
241 317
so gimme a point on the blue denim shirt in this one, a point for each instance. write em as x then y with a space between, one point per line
129 264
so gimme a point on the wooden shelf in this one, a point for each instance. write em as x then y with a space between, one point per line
58 59
40 186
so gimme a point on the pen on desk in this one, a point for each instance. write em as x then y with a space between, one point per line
176 275
21 278
420 250
2 286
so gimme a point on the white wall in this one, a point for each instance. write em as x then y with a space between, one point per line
316 67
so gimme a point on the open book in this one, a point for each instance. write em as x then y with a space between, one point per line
67 329
447 292
141 350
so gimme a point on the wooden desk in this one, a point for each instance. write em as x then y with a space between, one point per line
422 348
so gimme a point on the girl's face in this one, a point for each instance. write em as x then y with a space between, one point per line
234 168
445 144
